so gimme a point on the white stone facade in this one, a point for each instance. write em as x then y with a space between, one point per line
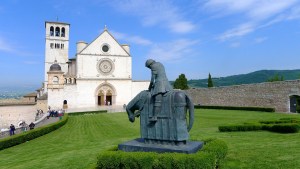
100 74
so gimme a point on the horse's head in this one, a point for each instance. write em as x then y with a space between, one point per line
136 105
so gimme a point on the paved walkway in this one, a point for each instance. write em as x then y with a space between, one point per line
47 121
110 109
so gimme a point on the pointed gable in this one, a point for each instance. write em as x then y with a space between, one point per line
105 44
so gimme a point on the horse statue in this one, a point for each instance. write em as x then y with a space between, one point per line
172 126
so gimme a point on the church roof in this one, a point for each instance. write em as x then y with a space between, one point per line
55 67
105 30
30 95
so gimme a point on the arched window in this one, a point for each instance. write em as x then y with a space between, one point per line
65 102
62 46
57 31
55 80
51 31
63 32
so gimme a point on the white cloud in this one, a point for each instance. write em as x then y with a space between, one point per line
157 13
172 51
255 14
239 31
5 46
235 44
260 39
131 39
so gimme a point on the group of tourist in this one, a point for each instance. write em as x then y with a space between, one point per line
39 114
23 126
55 113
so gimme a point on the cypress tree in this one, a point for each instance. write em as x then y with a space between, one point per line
209 81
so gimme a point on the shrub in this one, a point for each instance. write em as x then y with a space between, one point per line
245 127
87 113
285 128
210 156
263 109
284 125
32 134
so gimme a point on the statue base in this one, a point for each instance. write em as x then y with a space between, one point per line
140 145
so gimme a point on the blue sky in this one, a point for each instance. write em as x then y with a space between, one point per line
195 37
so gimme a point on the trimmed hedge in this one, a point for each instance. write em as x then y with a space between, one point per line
263 109
248 127
87 113
31 134
208 157
285 128
284 125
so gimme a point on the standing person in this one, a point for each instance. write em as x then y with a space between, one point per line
31 125
159 86
12 129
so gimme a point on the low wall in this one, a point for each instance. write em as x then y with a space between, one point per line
5 132
12 102
269 94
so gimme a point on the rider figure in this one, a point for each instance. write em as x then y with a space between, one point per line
159 86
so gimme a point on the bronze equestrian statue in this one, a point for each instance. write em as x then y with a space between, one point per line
162 110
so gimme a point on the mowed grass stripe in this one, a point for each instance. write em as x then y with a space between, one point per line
77 144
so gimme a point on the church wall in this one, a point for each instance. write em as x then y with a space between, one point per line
57 96
138 86
96 45
87 91
88 66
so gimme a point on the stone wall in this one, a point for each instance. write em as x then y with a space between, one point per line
269 94
22 101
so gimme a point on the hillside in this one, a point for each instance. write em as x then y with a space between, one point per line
254 77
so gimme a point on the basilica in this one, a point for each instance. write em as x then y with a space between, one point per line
99 74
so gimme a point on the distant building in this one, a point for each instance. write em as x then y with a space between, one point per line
100 74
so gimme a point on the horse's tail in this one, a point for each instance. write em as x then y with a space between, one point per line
190 106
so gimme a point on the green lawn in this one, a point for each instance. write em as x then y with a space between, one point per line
77 144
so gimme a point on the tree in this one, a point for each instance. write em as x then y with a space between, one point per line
275 78
209 81
181 83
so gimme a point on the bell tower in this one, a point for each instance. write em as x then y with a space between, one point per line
56 46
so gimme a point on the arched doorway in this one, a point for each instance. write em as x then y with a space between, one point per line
295 104
105 94
100 98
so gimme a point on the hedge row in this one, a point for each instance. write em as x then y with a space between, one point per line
263 109
208 157
31 134
87 112
280 126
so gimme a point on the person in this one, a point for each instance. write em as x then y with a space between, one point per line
23 126
12 129
31 125
48 114
159 85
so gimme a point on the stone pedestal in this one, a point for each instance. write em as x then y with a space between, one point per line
140 145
